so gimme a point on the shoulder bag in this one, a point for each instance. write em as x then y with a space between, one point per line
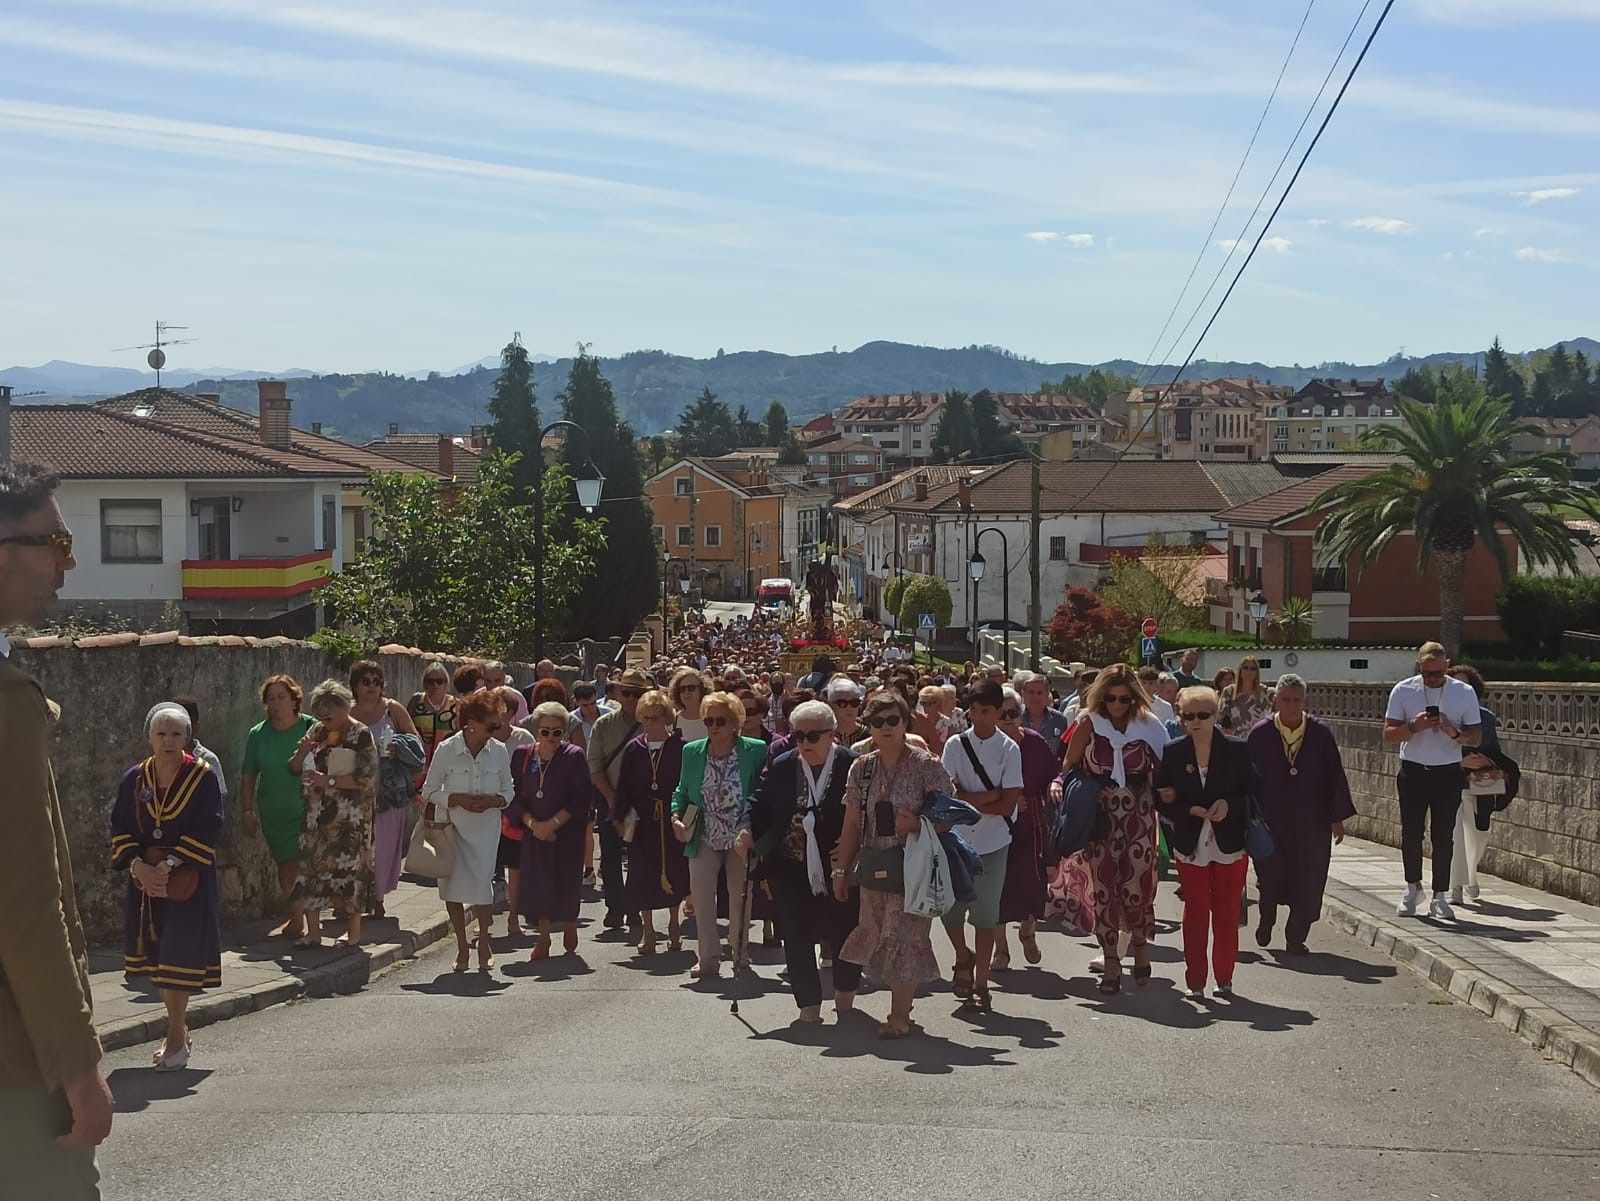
880 869
432 853
977 766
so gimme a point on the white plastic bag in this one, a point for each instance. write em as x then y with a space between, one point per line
928 890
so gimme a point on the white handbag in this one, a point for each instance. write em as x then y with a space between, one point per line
432 853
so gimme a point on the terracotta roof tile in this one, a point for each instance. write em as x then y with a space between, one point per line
1120 487
1291 502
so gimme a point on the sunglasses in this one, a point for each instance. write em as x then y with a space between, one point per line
552 732
716 723
630 694
362 681
434 680
890 719
1198 715
59 539
682 688
810 736
1010 714
1121 698
853 702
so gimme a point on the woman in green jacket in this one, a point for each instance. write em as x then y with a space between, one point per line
711 817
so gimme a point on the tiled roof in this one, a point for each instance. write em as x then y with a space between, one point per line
896 406
1289 503
1241 482
422 450
1096 487
703 466
189 411
884 494
96 442
1334 458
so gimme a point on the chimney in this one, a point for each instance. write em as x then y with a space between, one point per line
447 456
274 403
477 440
210 397
394 428
921 487
316 427
964 495
5 423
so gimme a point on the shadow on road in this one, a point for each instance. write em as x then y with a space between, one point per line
1320 963
556 967
1517 913
1162 1003
921 1053
135 1089
459 984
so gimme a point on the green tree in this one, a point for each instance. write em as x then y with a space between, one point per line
624 583
924 594
454 570
706 427
994 438
1096 387
954 436
1161 583
660 452
1456 480
777 423
893 589
791 453
747 430
1503 379
514 423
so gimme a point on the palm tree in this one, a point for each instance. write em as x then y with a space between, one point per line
1295 620
1457 479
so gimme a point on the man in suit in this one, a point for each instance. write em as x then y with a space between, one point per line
55 1107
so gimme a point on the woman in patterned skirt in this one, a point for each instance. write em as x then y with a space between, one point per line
882 801
1122 742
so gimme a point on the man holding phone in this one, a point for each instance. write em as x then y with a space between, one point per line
1433 717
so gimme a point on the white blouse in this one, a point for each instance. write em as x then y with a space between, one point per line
455 769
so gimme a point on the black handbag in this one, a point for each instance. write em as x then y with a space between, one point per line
880 869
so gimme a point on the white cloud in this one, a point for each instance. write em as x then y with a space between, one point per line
1484 232
1540 195
1381 225
1540 254
1050 235
1274 244
1316 222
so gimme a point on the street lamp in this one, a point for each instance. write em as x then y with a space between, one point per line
975 569
1258 610
588 488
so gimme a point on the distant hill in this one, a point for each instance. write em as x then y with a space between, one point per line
653 387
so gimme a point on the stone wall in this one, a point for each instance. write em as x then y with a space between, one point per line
106 684
1549 837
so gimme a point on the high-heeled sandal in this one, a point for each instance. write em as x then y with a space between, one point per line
675 942
1141 971
463 953
569 940
894 1029
1111 981
980 1000
1030 945
485 954
961 977
647 944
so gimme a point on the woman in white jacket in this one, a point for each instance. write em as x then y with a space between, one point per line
470 779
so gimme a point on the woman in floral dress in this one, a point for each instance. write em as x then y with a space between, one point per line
337 762
1245 701
1122 742
882 801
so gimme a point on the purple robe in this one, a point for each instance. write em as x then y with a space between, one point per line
1025 894
658 873
1300 809
551 885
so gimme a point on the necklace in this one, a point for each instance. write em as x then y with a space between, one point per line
656 754
161 803
543 767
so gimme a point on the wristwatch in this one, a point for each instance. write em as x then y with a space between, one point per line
838 873
171 861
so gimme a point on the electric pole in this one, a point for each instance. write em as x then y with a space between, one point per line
1033 561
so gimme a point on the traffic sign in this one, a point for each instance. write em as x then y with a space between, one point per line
1148 629
927 621
1147 647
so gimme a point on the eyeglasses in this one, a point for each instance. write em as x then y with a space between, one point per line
361 681
888 719
434 680
810 736
682 688
552 732
1121 698
716 723
1198 715
1010 714
849 702
630 694
59 539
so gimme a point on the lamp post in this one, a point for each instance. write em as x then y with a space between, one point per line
1258 610
975 569
588 490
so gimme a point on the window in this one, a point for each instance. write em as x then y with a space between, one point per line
916 444
686 535
1265 662
1329 579
861 459
1058 547
684 485
890 445
1358 665
916 428
130 531
713 535
660 535
330 522
860 481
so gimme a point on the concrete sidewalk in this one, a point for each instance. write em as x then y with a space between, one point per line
258 972
1529 959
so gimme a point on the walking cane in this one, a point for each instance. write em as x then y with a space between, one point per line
741 946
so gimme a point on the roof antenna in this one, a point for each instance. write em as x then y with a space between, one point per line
157 358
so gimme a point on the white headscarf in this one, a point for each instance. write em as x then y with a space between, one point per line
1142 728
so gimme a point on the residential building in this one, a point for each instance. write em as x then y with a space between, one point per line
1327 414
180 505
868 533
1272 551
454 456
1575 436
899 424
1091 512
1217 420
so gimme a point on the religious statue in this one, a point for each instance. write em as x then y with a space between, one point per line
822 586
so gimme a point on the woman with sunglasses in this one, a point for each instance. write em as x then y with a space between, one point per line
658 873
1205 788
711 817
1028 864
400 756
882 804
1245 701
432 711
552 805
688 690
1121 741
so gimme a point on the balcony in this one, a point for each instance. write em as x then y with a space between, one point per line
256 579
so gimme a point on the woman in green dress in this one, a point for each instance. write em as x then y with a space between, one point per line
270 796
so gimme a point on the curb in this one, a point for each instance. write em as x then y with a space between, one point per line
348 972
1548 1030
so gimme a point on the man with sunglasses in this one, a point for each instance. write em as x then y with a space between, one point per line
612 731
1432 716
55 1107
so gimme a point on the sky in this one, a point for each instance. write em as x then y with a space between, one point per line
363 184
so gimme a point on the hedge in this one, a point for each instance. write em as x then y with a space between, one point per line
1535 610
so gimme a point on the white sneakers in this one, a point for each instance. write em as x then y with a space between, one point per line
1441 908
1456 897
1473 892
1409 902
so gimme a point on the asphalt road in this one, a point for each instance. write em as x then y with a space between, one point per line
610 1076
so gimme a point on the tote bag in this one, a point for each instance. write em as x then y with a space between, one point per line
432 853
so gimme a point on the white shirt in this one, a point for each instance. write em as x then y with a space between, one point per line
1163 709
456 769
1458 704
1002 759
5 647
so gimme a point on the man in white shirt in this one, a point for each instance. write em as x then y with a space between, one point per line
1432 717
986 766
1150 677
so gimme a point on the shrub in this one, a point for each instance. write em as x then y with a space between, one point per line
1086 628
924 594
1535 610
893 589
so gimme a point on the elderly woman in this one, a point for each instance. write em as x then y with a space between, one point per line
470 780
711 817
337 762
1305 800
882 804
1245 701
165 826
1121 743
796 820
552 805
688 690
400 756
508 858
1205 787
658 874
1028 864
269 793
1476 812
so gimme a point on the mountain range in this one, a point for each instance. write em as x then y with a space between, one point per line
653 387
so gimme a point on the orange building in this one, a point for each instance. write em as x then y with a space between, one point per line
726 530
